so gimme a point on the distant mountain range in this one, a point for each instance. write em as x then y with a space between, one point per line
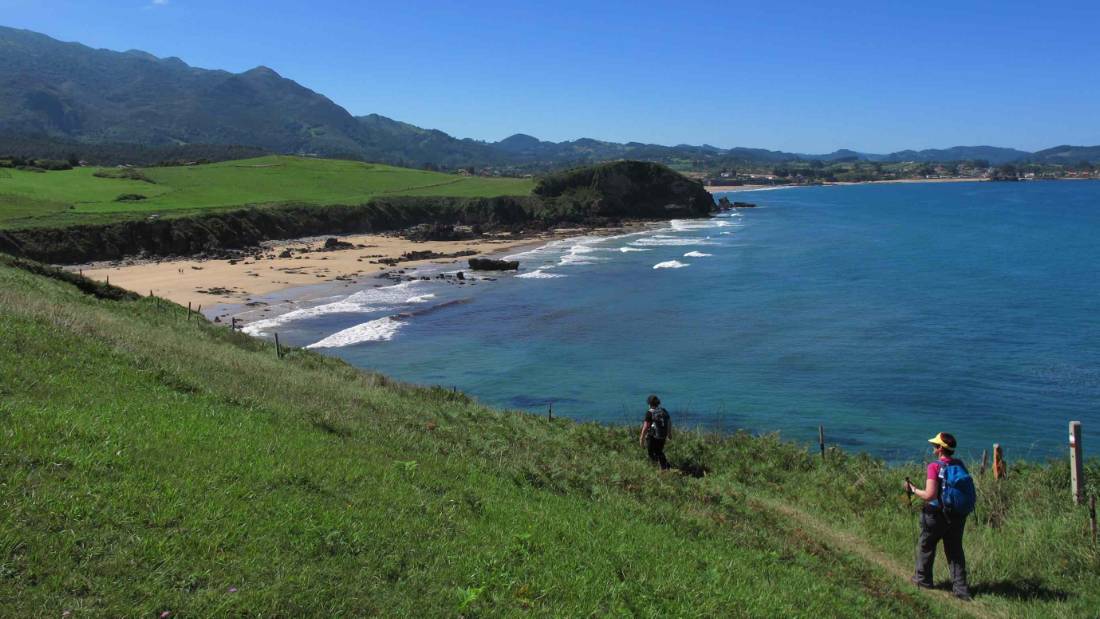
73 93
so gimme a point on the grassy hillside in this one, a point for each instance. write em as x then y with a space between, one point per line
79 196
150 463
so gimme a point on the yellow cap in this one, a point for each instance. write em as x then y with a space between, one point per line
939 440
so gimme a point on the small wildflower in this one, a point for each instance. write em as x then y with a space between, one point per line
166 614
232 589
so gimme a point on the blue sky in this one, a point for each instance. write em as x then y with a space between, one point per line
797 76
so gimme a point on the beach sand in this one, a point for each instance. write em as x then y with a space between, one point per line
236 282
736 188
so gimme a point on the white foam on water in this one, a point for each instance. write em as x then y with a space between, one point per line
684 225
370 300
424 298
539 274
581 253
552 249
670 264
669 241
380 330
628 249
697 254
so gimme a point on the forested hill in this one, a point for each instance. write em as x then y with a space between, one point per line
72 94
56 95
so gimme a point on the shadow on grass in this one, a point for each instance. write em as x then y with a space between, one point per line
692 469
1021 590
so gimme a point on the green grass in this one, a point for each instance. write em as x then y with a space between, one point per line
150 463
29 199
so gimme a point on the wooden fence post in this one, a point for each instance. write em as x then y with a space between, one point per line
985 462
821 440
278 349
188 311
1000 469
550 412
1076 464
233 324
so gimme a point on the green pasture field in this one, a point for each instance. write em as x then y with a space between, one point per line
60 198
153 462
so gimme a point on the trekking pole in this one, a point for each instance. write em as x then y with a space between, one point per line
913 514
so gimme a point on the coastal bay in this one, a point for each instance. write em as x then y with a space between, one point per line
867 308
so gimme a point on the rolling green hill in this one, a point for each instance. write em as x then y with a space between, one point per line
153 463
91 195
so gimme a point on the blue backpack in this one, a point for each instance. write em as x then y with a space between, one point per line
957 492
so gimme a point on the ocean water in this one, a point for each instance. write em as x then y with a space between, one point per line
886 313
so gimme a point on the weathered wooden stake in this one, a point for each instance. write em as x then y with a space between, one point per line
189 311
278 349
108 280
233 324
550 412
1092 516
821 440
985 462
198 312
1076 464
1000 469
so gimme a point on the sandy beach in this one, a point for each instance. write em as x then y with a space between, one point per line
737 188
236 282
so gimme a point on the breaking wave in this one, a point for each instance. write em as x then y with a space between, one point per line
539 274
380 330
372 300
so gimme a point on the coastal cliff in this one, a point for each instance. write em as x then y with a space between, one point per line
595 195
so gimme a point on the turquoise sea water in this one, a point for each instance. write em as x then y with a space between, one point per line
884 312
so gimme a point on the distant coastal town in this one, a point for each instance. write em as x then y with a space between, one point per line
860 171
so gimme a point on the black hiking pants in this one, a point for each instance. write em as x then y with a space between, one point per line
656 449
934 526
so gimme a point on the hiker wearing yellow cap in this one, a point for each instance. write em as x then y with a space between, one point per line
949 498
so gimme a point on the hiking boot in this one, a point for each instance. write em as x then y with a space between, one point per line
964 596
920 583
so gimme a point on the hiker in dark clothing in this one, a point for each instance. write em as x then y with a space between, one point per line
944 516
656 429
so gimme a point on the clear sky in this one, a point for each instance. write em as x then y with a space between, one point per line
796 76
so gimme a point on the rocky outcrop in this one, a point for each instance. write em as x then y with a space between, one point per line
627 189
724 204
334 244
488 264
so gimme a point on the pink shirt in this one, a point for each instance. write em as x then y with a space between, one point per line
934 467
